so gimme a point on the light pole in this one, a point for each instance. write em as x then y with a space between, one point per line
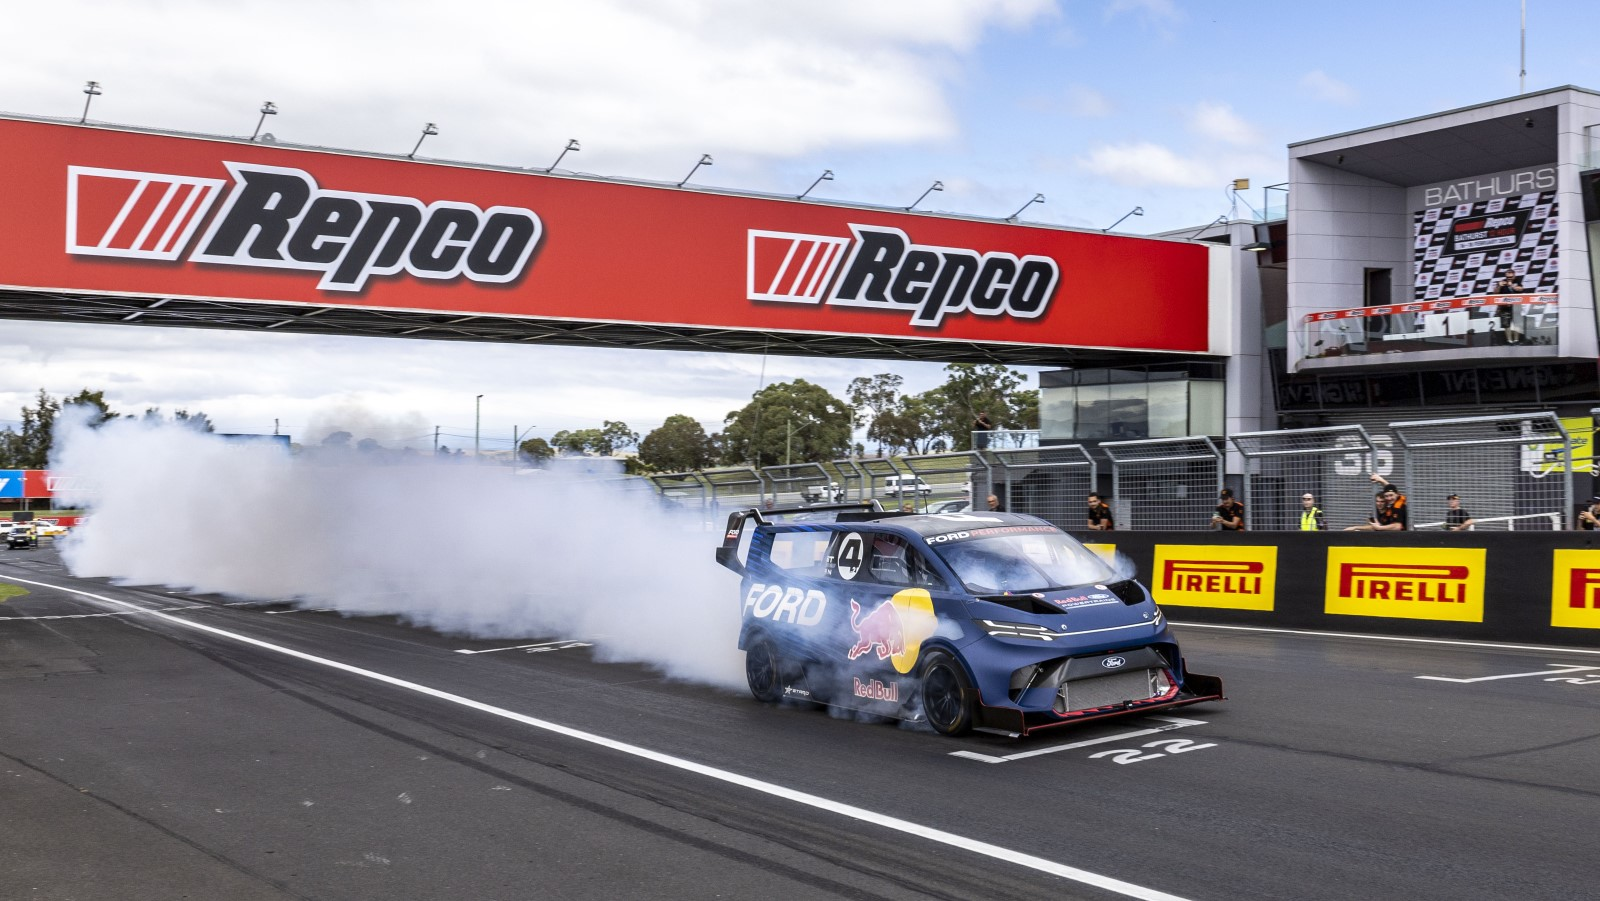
789 431
477 421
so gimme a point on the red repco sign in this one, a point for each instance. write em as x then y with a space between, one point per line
885 270
88 211
278 218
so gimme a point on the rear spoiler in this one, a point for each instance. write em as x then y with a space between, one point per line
741 522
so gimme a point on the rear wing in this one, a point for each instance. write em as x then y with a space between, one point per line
735 548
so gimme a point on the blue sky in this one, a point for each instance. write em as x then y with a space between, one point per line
1100 105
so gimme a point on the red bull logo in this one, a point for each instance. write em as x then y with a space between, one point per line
876 690
879 630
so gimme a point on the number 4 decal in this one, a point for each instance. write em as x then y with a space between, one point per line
1172 746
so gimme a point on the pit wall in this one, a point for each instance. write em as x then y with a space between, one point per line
1523 587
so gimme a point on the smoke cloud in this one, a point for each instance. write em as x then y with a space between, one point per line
463 549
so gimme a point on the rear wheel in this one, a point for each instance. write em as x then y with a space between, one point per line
946 695
763 670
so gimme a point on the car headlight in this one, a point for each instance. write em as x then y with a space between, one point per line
1016 630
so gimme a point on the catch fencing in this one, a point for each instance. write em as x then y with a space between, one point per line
1513 472
1052 483
1166 484
1333 465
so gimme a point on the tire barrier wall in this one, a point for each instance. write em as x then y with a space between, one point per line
1522 587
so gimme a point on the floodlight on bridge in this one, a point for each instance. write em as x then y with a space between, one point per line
93 90
936 186
429 129
572 144
1136 211
1037 198
267 109
705 160
827 175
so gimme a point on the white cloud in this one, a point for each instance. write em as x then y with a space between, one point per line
1219 122
510 81
1087 102
1325 87
1144 163
1152 10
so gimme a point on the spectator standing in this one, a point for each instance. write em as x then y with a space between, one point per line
1100 514
1311 516
982 425
1506 313
1456 519
1589 517
994 504
1230 513
1392 514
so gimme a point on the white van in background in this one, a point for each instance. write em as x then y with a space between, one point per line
898 485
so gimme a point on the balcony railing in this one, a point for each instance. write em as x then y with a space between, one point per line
1511 320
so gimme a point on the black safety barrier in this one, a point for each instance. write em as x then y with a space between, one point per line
1414 581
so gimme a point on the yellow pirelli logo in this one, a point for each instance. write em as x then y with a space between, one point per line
1406 583
1575 590
1207 575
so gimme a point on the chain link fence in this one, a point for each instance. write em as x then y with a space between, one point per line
1164 483
1052 483
1511 471
800 483
1332 464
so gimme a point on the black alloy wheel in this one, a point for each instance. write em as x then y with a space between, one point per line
946 695
763 671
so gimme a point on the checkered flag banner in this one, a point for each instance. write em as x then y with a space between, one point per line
1458 251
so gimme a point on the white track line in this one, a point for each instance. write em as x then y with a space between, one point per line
1495 645
1172 723
814 801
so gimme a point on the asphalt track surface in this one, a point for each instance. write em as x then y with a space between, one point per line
164 746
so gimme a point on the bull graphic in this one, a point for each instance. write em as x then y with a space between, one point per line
879 629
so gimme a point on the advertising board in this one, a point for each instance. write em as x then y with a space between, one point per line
91 210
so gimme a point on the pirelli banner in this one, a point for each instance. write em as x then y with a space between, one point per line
93 210
1496 586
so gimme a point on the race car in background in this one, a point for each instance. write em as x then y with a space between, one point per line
999 622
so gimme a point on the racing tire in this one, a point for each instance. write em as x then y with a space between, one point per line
763 670
947 695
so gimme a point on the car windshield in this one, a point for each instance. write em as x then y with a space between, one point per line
1011 564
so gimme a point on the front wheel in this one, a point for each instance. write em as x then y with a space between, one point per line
763 671
947 699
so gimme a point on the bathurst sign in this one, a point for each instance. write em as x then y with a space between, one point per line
86 210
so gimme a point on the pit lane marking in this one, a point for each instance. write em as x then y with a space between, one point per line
847 811
1454 642
1172 723
534 648
1567 669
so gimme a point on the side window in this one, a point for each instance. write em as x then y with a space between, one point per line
799 552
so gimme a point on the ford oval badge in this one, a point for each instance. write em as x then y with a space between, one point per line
1112 662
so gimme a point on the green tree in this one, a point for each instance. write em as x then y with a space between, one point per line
681 444
787 422
30 447
615 437
970 389
536 450
874 398
1025 409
